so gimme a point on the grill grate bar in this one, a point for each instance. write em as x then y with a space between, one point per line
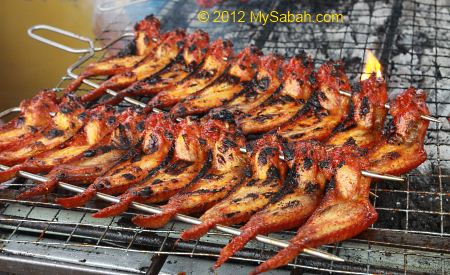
183 218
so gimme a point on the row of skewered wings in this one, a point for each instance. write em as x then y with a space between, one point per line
195 164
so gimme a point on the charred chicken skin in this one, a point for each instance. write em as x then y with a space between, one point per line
305 184
326 107
146 40
114 147
228 170
65 124
99 122
188 163
233 82
365 122
197 166
185 64
215 63
156 147
249 197
293 204
147 155
166 52
344 212
299 82
402 150
35 116
267 81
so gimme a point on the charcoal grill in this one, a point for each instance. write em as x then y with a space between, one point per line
412 234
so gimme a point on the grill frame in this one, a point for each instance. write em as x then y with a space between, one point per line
370 242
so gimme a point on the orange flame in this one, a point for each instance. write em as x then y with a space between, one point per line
372 66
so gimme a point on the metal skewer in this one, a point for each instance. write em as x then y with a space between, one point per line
366 173
183 218
387 106
243 150
90 52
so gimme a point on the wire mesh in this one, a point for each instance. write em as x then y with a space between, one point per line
413 230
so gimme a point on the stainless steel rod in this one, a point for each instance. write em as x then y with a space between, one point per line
183 218
387 106
244 150
366 173
93 49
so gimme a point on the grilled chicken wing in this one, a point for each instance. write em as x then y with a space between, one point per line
66 122
403 150
189 162
298 84
185 64
157 145
292 205
94 161
215 64
326 107
146 39
166 52
250 196
228 169
267 81
365 122
35 116
344 212
233 82
99 122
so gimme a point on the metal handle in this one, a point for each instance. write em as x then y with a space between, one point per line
59 45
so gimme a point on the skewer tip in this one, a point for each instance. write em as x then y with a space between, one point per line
387 106
432 119
383 177
324 255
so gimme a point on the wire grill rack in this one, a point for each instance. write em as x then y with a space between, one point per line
412 234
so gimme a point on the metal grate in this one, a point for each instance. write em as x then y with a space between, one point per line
412 234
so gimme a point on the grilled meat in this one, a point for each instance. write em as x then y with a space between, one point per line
157 145
99 122
293 204
298 84
146 40
228 170
189 162
267 81
402 150
233 82
344 212
215 64
35 116
146 35
110 150
66 122
304 187
365 122
185 64
166 52
250 196
326 108
149 156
